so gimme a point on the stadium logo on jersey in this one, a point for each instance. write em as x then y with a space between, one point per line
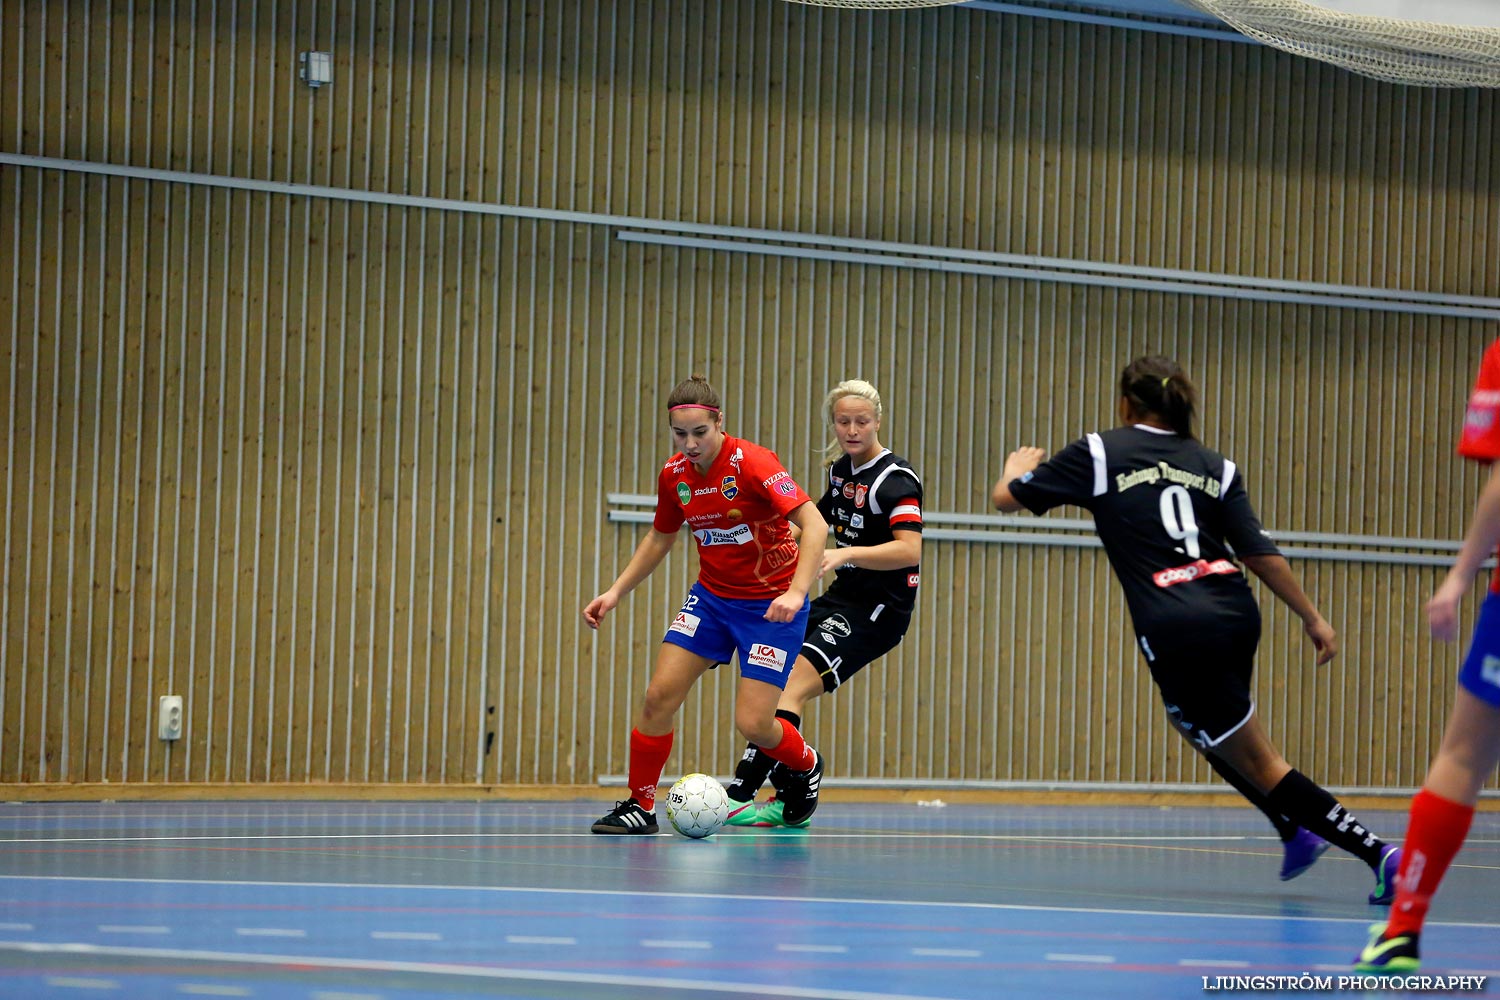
769 657
685 623
912 579
684 493
705 491
856 520
837 624
848 491
738 535
729 488
1193 571
860 493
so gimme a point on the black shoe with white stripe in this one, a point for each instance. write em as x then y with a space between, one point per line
626 817
800 795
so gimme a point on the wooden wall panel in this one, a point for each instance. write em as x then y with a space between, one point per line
336 470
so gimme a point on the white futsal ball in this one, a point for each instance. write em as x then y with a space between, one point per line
697 805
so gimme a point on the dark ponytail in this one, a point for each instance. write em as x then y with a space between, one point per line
1156 386
694 391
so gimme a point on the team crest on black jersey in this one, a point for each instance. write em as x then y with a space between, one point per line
729 488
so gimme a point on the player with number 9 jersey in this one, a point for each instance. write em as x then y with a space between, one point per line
1174 516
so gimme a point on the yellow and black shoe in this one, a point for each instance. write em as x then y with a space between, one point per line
1397 953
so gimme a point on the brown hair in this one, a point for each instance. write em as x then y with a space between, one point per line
694 391
1157 386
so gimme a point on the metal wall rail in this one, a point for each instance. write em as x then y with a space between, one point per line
877 252
1419 303
636 508
980 784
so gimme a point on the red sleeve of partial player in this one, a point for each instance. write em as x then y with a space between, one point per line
668 504
1481 434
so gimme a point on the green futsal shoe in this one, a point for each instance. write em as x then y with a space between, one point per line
1398 953
745 814
771 815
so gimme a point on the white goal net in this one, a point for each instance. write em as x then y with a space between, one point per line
1400 51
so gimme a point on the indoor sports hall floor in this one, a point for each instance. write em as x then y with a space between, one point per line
354 901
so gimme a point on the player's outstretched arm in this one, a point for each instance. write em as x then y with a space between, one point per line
903 550
648 555
1480 540
1017 464
1277 574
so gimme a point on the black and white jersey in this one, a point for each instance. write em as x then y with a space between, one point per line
864 505
1172 515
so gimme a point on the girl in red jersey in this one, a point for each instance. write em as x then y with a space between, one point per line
1443 810
750 598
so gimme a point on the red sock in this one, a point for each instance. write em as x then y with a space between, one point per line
1433 836
648 756
793 750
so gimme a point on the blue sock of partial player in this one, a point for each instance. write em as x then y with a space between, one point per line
1303 800
755 765
1285 828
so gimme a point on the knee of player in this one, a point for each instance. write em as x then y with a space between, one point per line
756 728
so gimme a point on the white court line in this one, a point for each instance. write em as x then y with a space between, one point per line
405 936
553 835
817 949
16 927
325 995
286 932
637 894
525 939
133 929
657 984
1214 963
213 990
80 983
947 952
1093 959
665 943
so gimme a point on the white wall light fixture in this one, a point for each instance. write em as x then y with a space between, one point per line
315 68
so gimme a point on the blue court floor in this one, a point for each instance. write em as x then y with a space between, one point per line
396 901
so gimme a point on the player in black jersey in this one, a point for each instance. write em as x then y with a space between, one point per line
1173 516
873 499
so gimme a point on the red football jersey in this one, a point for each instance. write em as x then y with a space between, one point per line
738 515
1481 435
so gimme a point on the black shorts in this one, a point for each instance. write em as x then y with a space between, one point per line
1205 681
844 638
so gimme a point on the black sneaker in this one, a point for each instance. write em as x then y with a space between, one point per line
626 817
800 796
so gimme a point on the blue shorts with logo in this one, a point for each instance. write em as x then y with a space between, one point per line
716 627
1480 675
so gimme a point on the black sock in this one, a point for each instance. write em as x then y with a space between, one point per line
755 765
1300 798
1285 828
